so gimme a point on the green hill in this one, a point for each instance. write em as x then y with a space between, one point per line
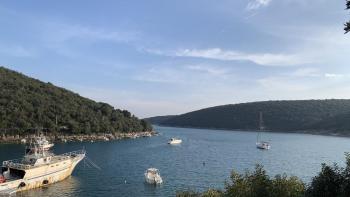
27 103
157 120
300 115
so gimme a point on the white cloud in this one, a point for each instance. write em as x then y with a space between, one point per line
256 4
282 85
65 38
307 72
266 59
161 75
182 74
325 45
334 76
208 69
61 32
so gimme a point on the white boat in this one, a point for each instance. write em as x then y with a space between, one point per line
175 141
261 144
152 176
39 167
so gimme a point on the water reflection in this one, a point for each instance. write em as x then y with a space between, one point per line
66 188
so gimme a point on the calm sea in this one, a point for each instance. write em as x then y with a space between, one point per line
124 162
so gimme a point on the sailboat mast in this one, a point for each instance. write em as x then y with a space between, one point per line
261 126
261 122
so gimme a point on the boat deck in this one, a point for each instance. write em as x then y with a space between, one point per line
22 165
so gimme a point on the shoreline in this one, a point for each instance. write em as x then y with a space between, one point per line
309 132
63 138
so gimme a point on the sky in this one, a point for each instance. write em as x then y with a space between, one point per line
161 57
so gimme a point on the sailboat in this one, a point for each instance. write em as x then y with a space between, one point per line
261 144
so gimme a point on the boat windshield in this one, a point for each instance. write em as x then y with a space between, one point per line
153 171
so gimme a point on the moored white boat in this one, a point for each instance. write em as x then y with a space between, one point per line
37 168
152 176
175 141
263 145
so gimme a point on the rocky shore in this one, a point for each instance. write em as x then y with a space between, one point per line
60 137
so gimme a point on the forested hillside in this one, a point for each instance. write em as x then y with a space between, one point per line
299 115
27 104
157 120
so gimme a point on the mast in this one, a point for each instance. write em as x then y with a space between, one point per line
261 125
261 122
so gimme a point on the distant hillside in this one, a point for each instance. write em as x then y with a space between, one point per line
318 116
158 119
27 103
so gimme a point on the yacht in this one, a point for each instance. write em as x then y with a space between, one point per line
263 145
175 141
38 167
152 176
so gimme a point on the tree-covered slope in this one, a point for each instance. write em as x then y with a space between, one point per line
158 119
27 103
313 115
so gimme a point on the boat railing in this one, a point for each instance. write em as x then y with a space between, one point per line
73 153
19 164
16 163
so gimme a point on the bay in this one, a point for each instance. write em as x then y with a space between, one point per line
203 160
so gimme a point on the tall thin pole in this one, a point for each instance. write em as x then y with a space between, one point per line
261 126
261 122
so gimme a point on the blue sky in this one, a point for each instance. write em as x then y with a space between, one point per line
159 57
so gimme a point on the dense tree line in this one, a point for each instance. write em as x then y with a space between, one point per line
331 115
26 104
331 181
157 120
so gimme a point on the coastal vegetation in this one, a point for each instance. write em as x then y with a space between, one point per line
331 181
27 104
330 116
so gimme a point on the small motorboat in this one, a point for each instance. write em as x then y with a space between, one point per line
152 176
175 141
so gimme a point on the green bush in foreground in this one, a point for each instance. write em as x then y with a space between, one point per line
209 193
258 183
331 181
255 184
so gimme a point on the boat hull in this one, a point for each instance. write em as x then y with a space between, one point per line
175 142
42 176
153 179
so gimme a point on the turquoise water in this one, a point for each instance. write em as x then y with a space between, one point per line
124 162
